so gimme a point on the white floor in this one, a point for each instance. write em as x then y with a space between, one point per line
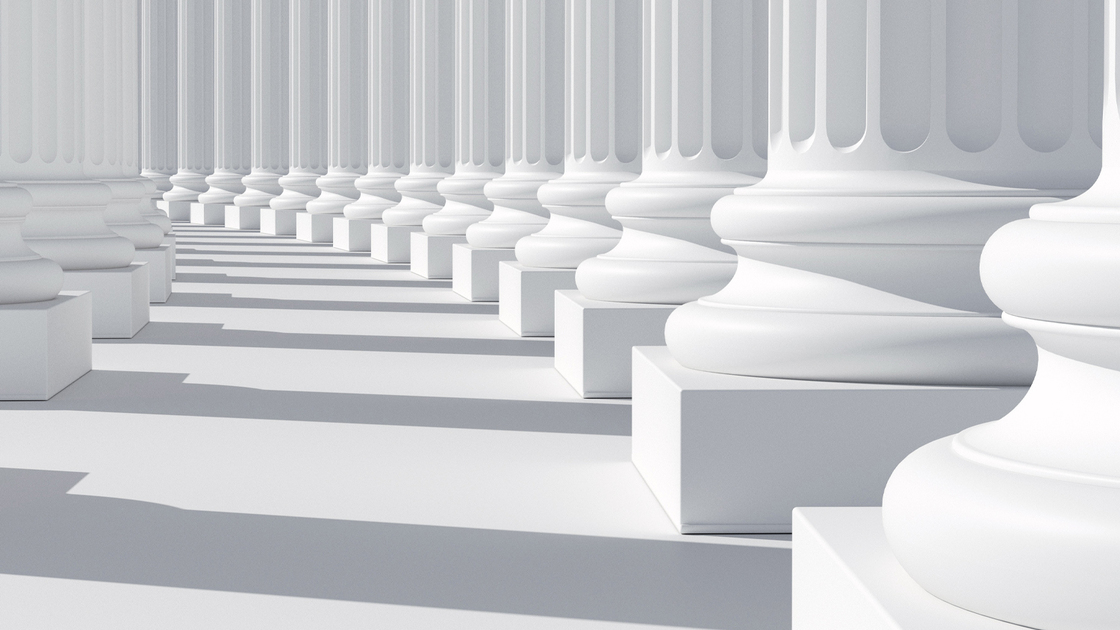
306 438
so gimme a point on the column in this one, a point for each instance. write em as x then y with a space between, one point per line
269 114
902 136
603 138
1019 519
346 120
232 112
432 131
195 90
704 134
307 112
479 135
386 126
111 113
45 336
158 102
534 131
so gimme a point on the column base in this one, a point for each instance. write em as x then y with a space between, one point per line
594 341
315 228
47 345
175 210
161 271
730 454
391 243
120 298
431 254
278 222
474 271
352 235
846 578
527 297
243 217
208 213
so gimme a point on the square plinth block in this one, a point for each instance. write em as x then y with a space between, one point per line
208 213
243 217
169 242
527 297
846 578
431 254
352 235
735 454
391 243
45 346
315 228
474 271
161 270
120 298
175 210
594 341
278 222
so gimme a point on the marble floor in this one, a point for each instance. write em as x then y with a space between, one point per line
306 438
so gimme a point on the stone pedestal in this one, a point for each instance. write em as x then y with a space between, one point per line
735 454
352 235
527 297
594 341
175 210
315 228
120 298
161 270
208 213
392 243
845 578
474 271
243 217
431 254
47 345
278 222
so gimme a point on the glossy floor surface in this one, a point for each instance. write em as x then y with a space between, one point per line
305 438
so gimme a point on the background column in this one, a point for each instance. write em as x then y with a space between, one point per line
158 72
480 135
195 92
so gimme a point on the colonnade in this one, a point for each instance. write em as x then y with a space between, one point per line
795 224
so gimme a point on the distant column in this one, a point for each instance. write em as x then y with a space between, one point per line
195 92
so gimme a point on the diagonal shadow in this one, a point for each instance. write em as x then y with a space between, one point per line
162 393
50 533
226 252
225 300
194 262
221 278
186 334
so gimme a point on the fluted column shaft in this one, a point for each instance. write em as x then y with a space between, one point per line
232 101
704 135
902 137
195 90
432 112
388 109
346 103
269 103
479 116
534 123
603 96
1019 519
158 97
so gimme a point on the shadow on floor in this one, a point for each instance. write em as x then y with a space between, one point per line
221 278
217 249
186 334
54 534
225 300
161 393
207 262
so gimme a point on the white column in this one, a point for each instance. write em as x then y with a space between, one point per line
195 92
346 120
307 109
269 109
534 126
158 98
704 136
1019 519
479 116
388 113
232 111
899 143
603 95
